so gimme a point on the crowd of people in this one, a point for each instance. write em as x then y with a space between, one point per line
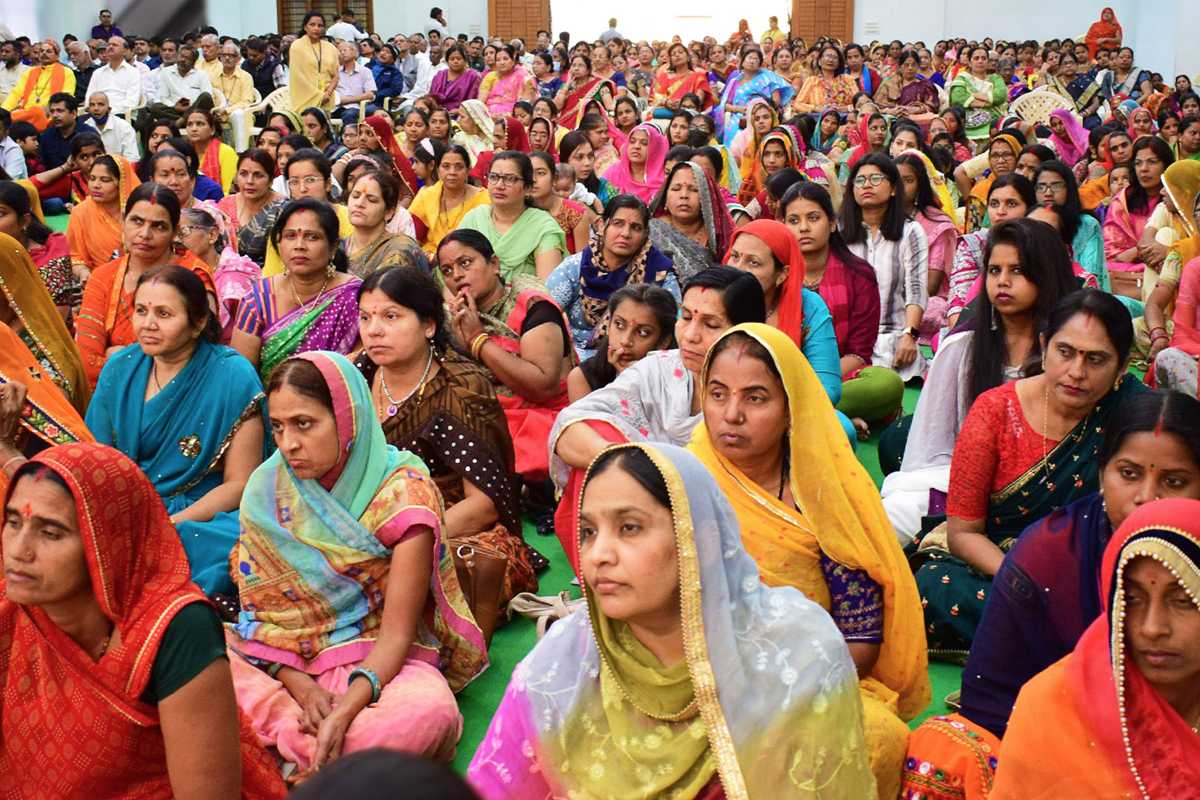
333 316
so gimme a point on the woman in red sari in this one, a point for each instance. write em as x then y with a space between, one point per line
677 80
1105 32
113 674
1123 705
582 87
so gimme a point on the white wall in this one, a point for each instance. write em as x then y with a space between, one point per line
410 16
638 20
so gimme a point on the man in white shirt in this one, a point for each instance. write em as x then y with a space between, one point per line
116 133
416 69
179 87
437 22
118 79
12 157
11 67
345 29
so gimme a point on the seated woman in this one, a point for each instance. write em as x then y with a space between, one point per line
1124 698
371 202
204 231
189 412
927 200
255 206
31 317
218 160
320 133
742 737
1002 155
105 322
1150 452
95 228
425 392
439 208
639 171
354 632
641 318
527 240
311 306
1014 460
515 331
576 150
906 94
981 93
655 399
1055 186
21 218
1125 247
1028 272
573 218
691 225
876 230
137 666
810 518
618 254
1175 343
475 128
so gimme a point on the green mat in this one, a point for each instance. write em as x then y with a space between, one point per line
512 642
58 222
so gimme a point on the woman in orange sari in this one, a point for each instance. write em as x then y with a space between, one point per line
94 228
1105 32
1122 706
136 685
105 322
677 80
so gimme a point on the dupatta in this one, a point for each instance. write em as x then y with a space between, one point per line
55 698
840 514
44 331
93 235
790 308
749 160
621 174
330 323
717 221
1101 29
1113 730
668 86
311 565
400 163
790 725
1075 147
1123 228
598 280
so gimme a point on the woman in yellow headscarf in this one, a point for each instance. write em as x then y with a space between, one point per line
29 312
1169 329
811 518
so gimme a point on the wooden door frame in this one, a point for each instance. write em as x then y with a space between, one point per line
849 34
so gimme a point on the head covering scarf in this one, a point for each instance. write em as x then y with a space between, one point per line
1102 30
825 145
790 308
92 233
140 581
717 221
761 729
1075 146
1136 112
552 140
1123 734
597 280
346 523
757 180
516 137
44 330
753 142
479 114
621 173
400 163
1181 181
864 143
290 116
839 510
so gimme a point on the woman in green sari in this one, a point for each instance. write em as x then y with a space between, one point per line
1026 448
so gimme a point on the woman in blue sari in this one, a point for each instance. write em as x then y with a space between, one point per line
748 82
189 412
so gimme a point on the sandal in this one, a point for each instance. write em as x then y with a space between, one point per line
544 610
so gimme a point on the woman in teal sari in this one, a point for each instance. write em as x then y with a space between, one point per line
1026 448
747 83
189 412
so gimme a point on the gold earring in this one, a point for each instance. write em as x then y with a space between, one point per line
330 269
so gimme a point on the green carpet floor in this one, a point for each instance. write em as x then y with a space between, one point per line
513 641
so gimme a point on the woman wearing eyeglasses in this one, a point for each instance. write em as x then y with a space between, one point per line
526 239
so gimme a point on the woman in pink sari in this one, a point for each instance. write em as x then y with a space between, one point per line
640 169
506 84
1130 210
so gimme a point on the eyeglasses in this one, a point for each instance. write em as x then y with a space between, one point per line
1053 186
1002 156
311 180
873 179
504 180
187 230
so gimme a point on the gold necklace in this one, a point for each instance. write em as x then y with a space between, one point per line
313 300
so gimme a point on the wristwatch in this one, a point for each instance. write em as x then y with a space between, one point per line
913 332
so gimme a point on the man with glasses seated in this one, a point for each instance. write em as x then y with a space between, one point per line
238 88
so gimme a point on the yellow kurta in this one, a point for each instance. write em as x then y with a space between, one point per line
841 516
312 67
238 88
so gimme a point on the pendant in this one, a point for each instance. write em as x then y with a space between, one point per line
392 409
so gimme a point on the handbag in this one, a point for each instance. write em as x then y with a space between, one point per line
978 117
1126 283
481 569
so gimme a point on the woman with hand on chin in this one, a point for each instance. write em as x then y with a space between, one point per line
513 329
189 412
354 632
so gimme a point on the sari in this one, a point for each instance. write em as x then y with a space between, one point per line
710 726
1074 147
329 322
747 143
95 236
311 68
251 235
55 699
819 92
433 222
621 174
535 232
577 98
738 92
1112 731
837 518
529 422
979 121
476 143
688 256
1004 480
389 250
42 329
503 93
669 86
1102 30
106 316
312 567
451 92
401 165
1123 229
179 438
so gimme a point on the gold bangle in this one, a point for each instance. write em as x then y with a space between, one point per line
11 460
477 345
